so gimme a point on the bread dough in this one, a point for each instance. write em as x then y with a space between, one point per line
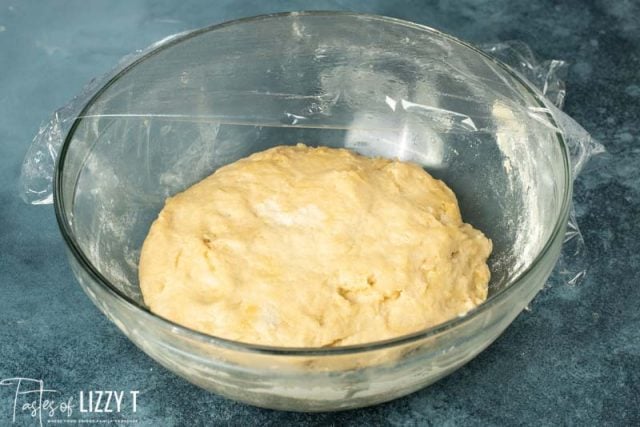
313 247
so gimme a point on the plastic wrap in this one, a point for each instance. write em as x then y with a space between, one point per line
548 76
38 167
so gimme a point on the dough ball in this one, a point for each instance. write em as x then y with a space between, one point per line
313 247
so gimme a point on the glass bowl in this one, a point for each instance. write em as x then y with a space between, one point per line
380 86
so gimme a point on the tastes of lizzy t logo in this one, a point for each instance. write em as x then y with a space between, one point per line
30 398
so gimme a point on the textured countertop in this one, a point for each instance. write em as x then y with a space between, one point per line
573 359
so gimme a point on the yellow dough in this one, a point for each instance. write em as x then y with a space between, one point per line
313 247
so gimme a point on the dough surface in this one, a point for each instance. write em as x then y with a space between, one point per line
310 247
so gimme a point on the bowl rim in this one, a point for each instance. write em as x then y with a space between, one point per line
493 300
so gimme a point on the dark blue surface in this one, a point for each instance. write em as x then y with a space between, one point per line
573 359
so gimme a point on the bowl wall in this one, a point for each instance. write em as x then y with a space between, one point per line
314 382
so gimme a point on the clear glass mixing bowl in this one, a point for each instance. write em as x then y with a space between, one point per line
377 85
